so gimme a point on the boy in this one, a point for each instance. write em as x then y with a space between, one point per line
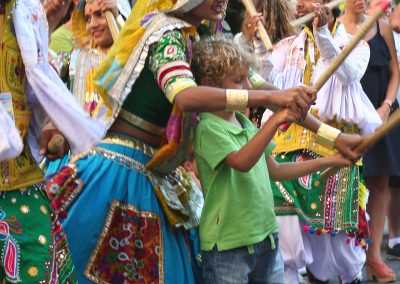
238 227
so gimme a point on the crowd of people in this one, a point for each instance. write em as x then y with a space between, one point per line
178 152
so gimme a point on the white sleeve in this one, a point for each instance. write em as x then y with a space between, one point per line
353 67
272 65
10 140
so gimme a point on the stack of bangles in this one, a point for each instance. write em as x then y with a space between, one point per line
236 100
327 135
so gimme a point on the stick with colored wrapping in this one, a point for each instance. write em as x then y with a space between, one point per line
261 29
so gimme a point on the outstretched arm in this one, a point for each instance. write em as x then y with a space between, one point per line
287 171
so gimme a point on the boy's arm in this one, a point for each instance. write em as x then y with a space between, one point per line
287 171
244 159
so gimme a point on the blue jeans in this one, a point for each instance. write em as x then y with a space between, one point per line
259 263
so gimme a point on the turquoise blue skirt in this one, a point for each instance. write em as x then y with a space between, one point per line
116 229
52 167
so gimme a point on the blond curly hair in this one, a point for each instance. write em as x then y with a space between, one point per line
215 58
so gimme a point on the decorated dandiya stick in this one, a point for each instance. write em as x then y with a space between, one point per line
305 19
394 119
261 29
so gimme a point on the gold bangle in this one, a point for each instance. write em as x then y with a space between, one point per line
327 135
236 100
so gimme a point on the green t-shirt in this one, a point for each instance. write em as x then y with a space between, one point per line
62 40
239 207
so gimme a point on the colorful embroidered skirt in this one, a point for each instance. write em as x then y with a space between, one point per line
331 205
33 246
116 228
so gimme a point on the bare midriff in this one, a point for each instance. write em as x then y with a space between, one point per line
123 127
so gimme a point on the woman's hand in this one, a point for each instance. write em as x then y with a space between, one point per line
321 18
45 138
110 5
252 27
384 111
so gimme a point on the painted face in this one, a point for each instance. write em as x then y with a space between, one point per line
237 79
208 10
97 26
305 7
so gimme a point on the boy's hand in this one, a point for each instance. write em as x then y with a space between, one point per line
284 115
345 143
338 160
298 99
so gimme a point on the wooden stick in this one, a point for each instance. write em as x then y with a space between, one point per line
55 143
305 19
261 29
112 23
370 140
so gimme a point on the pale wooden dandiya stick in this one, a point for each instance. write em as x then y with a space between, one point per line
112 23
394 119
57 141
261 29
305 19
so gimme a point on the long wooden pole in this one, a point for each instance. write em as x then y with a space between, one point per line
261 29
363 29
305 19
